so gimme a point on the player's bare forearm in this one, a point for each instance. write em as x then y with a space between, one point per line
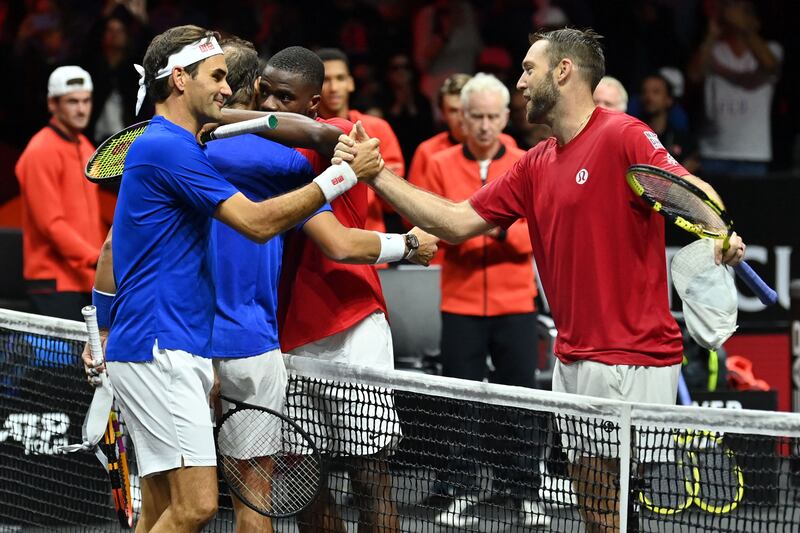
261 221
293 129
450 221
340 243
363 247
706 188
732 250
104 275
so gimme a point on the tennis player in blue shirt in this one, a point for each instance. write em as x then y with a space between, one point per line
244 343
164 307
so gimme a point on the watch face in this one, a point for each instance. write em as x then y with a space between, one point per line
412 241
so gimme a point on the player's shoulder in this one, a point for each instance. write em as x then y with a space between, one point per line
161 145
621 123
372 123
609 118
341 123
372 119
541 149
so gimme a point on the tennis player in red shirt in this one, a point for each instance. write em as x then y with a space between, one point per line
600 251
334 311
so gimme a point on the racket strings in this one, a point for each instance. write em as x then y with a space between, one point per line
699 472
267 462
679 201
109 161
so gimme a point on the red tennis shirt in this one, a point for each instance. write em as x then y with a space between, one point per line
319 297
598 247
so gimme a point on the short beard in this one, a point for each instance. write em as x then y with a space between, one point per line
542 100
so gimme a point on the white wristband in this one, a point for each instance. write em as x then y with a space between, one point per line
336 180
393 247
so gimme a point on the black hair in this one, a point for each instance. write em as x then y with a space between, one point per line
302 61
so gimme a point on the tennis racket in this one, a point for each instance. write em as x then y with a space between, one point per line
703 472
269 462
113 444
108 161
689 208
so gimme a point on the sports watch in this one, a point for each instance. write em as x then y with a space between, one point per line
412 243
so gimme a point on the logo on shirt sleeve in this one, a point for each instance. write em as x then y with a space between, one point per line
653 138
671 160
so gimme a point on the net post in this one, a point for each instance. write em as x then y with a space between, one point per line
625 444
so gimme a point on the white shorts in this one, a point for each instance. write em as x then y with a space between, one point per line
636 384
355 421
164 403
259 380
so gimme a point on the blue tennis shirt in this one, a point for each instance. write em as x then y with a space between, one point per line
162 223
246 273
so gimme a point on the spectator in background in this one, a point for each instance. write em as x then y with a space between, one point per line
335 102
61 227
109 61
656 103
449 100
487 293
678 117
406 109
449 103
739 70
446 41
610 94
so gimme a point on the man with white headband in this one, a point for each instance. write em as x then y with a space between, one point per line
163 310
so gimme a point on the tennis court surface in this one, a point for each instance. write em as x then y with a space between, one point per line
465 456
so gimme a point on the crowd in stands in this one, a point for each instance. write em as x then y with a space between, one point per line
724 62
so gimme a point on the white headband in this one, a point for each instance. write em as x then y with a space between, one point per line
188 55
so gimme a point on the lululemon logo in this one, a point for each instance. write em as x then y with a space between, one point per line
582 176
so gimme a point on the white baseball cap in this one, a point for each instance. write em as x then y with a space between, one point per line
65 80
710 305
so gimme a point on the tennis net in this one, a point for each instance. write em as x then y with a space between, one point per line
414 452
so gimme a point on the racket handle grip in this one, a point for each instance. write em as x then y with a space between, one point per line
95 347
765 293
267 122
